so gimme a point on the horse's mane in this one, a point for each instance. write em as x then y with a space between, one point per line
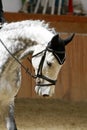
22 35
29 29
25 24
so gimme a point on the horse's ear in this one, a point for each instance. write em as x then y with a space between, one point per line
69 39
55 39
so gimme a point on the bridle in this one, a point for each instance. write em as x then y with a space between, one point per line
40 67
39 71
40 74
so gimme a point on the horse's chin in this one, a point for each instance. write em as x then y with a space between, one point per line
45 90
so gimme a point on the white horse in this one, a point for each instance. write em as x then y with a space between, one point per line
17 40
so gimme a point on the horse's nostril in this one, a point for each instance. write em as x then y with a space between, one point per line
45 95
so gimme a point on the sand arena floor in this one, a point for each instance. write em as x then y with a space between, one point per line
49 114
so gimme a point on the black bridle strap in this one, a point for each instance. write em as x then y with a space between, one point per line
41 64
38 53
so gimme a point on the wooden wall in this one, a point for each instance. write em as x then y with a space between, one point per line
72 79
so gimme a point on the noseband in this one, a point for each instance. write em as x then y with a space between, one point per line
39 72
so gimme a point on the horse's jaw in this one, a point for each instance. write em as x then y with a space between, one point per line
45 90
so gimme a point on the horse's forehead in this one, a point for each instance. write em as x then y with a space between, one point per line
50 57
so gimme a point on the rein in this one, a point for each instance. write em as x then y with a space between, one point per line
39 72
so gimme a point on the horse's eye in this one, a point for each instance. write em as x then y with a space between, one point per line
49 63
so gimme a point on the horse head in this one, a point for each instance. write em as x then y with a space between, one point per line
47 62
